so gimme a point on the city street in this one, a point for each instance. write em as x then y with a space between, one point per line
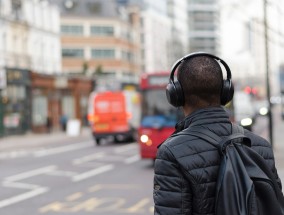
57 174
70 175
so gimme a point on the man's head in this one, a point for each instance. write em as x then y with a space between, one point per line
201 81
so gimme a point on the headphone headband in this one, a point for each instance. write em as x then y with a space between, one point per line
174 89
178 62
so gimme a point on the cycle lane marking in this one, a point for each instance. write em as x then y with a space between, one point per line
77 202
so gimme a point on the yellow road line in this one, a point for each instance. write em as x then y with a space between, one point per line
139 207
74 196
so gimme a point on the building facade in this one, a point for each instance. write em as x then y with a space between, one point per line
243 43
30 35
29 42
177 12
163 32
203 25
100 37
155 37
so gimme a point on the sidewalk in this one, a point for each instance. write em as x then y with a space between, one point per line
33 139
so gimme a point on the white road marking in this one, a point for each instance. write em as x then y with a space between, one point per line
14 154
125 148
22 197
88 158
62 149
61 173
132 159
31 173
91 173
34 190
19 185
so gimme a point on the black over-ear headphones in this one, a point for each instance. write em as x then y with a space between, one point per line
174 90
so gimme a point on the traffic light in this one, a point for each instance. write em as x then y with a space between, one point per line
248 90
251 90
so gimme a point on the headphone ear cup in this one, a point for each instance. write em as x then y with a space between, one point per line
171 94
227 92
180 94
175 94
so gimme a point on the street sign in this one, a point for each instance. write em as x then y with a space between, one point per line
3 79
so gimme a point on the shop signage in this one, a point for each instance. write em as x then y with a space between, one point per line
18 76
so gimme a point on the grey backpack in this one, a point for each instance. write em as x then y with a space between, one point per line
245 185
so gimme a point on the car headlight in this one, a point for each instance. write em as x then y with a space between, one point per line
263 111
144 138
246 122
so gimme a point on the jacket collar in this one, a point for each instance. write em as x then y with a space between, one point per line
204 116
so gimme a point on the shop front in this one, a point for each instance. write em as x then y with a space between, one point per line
56 99
16 102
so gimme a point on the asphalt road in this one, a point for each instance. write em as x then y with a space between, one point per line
75 178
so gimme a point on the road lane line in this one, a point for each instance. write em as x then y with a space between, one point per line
54 207
61 173
22 197
92 173
95 188
62 149
74 197
30 173
88 158
125 148
132 159
19 185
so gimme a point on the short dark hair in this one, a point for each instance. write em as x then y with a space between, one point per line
201 79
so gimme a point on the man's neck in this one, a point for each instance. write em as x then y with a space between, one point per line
187 110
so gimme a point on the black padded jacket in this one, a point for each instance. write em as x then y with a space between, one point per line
186 167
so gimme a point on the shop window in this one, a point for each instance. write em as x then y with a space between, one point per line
16 93
39 110
68 107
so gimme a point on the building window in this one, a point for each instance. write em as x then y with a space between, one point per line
128 56
77 53
72 29
102 30
17 8
103 53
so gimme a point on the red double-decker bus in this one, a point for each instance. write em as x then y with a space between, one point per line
158 117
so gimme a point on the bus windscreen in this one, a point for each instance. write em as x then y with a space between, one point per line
156 111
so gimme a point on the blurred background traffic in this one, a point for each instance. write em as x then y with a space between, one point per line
82 93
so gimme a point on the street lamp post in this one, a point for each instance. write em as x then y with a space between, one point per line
270 116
